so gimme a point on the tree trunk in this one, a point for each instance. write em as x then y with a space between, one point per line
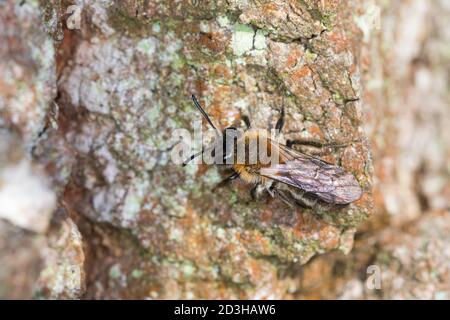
107 83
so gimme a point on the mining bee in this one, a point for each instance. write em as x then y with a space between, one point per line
296 178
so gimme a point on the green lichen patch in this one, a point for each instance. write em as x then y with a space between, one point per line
243 37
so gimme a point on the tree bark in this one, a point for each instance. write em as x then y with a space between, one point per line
109 89
127 87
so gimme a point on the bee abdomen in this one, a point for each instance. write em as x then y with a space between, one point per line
249 173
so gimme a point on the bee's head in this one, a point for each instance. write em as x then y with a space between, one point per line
226 138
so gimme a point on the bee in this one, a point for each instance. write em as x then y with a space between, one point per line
296 178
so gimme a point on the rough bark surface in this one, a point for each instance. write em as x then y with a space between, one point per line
405 64
95 109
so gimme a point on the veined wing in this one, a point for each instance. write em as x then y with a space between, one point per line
330 183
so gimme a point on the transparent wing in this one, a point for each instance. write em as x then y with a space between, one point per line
328 182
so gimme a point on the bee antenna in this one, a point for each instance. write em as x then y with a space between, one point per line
192 157
195 155
204 114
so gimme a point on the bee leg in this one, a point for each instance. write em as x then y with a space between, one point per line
311 202
270 191
246 121
257 191
306 203
283 197
303 200
327 206
227 180
315 147
280 123
253 193
320 144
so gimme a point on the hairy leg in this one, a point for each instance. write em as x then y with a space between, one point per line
320 144
258 191
246 120
315 147
280 123
283 197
